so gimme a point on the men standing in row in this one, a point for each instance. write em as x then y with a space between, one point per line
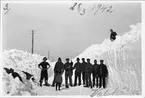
98 71
68 73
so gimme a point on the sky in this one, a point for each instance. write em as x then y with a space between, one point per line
61 31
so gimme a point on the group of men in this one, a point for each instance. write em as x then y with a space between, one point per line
83 72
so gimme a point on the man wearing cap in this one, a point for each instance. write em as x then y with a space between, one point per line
103 73
95 73
83 70
88 71
78 70
44 66
68 73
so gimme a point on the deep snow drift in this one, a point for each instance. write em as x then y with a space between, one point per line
21 61
122 57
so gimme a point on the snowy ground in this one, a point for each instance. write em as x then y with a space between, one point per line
79 90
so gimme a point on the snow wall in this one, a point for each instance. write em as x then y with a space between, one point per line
123 60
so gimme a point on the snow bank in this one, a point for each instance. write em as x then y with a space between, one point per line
123 59
21 61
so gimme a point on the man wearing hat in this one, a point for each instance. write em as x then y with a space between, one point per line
103 73
88 71
68 73
78 70
95 73
83 70
44 66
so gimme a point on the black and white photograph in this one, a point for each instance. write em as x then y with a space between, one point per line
71 48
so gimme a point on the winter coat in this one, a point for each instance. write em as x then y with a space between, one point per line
59 67
58 78
77 67
89 68
68 68
83 64
96 69
103 71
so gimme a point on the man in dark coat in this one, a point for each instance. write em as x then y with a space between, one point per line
59 68
83 70
95 73
78 70
88 71
68 73
44 66
112 35
103 73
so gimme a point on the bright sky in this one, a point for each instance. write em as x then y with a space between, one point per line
62 31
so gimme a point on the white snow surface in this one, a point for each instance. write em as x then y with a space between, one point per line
122 57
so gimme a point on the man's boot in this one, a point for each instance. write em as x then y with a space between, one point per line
46 83
40 83
67 86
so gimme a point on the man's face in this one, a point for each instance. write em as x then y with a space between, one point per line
83 60
67 61
95 62
59 60
44 60
88 61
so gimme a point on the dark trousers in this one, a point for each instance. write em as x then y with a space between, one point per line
95 80
68 76
44 75
53 83
77 76
88 80
83 77
58 85
102 81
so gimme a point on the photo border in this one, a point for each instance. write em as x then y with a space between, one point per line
60 1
